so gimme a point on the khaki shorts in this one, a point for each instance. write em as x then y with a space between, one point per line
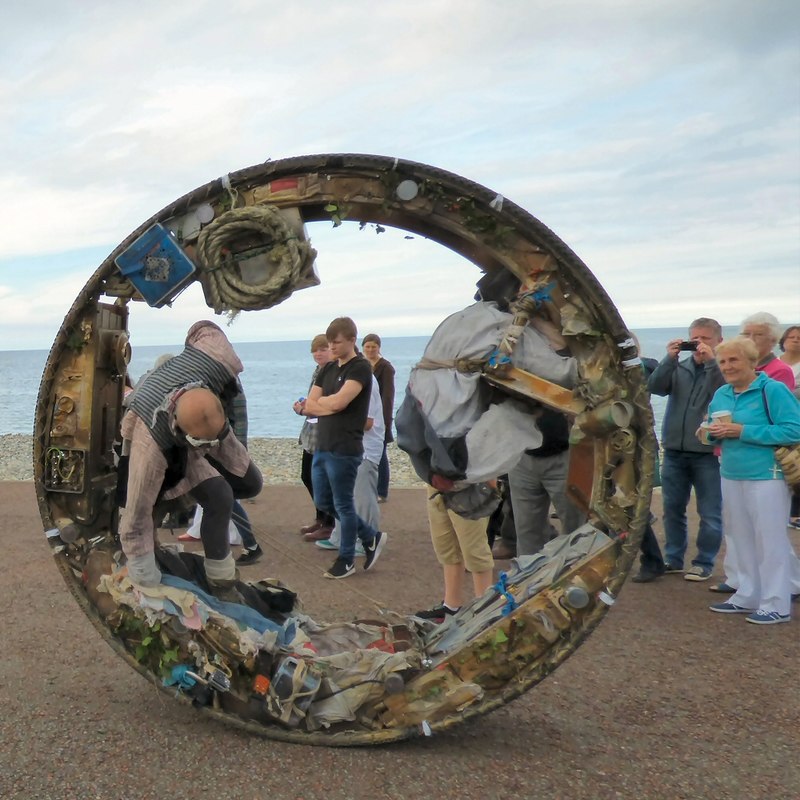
457 540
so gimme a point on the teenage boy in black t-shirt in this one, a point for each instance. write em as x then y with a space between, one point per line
340 401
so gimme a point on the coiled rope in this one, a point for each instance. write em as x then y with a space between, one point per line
225 289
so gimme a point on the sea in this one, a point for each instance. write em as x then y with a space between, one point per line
276 374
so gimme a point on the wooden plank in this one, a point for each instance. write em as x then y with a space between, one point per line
526 384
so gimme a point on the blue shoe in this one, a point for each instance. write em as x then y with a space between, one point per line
730 608
721 588
671 569
767 617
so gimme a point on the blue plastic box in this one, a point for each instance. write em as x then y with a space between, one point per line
156 265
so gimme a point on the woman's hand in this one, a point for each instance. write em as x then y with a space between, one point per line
725 430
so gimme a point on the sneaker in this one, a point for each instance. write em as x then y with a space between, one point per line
730 608
646 575
341 569
382 499
721 588
437 614
697 574
327 544
250 556
767 617
672 569
373 549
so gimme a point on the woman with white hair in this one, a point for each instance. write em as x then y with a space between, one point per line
750 416
765 331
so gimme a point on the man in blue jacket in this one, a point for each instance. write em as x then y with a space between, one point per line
690 384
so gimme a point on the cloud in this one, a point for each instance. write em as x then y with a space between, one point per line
659 141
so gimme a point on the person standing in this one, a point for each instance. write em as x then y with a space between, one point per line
689 385
764 330
790 348
340 400
365 491
790 351
323 522
538 479
460 544
750 417
384 373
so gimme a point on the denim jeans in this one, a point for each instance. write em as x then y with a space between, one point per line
243 525
383 474
334 477
365 497
680 471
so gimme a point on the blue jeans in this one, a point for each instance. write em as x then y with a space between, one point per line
383 474
333 477
680 472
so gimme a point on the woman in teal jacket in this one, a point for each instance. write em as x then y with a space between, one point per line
750 416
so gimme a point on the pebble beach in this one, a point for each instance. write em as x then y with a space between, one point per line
278 460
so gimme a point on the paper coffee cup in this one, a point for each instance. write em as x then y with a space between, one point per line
721 416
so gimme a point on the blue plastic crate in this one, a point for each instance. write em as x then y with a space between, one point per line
156 265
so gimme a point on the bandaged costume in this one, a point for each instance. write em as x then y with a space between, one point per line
164 465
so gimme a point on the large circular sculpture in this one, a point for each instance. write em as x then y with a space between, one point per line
243 238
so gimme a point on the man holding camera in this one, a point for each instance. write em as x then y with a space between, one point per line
690 384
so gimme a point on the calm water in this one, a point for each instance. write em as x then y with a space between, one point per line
276 374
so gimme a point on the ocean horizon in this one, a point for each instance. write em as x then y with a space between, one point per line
275 375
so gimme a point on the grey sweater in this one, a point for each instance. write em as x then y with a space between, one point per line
690 388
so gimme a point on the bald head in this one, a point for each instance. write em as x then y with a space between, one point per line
199 413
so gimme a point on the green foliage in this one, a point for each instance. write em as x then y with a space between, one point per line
150 644
481 223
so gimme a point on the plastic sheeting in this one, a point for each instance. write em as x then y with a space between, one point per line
448 423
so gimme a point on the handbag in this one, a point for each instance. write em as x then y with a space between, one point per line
788 456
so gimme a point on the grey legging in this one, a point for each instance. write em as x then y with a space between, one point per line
216 496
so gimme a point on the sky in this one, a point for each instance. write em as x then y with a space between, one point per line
659 140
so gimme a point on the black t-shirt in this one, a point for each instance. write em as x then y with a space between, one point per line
343 432
554 427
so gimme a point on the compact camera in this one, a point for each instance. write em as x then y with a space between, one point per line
691 346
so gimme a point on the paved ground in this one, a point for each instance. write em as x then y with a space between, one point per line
665 700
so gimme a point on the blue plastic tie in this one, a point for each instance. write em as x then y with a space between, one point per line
497 358
542 295
502 588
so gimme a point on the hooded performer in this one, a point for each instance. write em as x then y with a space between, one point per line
178 435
